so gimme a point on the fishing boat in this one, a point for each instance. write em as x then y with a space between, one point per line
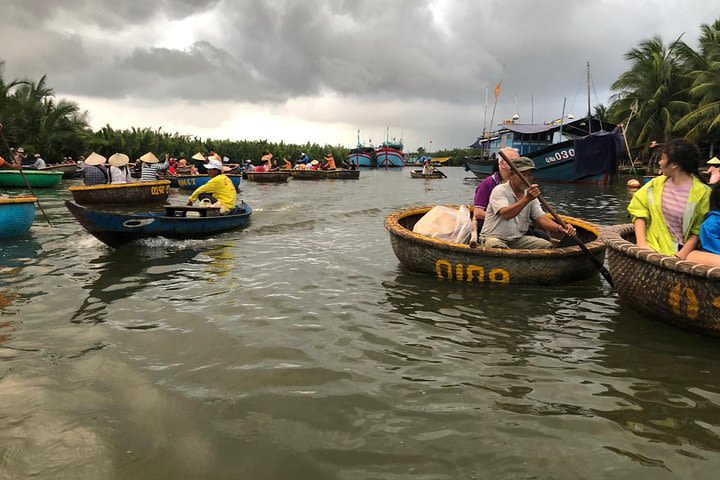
342 174
662 287
390 155
420 174
191 182
362 156
16 215
299 174
36 179
116 229
122 193
562 153
269 177
460 262
69 170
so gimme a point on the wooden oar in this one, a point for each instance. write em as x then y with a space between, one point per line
27 183
603 271
441 173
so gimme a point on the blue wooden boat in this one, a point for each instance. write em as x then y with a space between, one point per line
562 153
16 215
362 157
116 229
191 182
390 155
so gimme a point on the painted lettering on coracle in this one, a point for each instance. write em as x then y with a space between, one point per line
683 301
470 273
160 190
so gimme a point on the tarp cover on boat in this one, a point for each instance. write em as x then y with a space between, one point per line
597 153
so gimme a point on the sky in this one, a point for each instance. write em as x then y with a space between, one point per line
320 70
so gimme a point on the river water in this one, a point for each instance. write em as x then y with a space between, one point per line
300 348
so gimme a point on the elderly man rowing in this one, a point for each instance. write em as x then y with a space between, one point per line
512 209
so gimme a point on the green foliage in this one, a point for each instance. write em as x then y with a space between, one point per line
33 119
670 90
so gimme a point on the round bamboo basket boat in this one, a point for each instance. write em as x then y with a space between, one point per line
16 215
662 287
123 193
306 174
268 177
460 262
342 174
419 174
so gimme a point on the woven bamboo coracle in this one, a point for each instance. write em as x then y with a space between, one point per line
663 287
123 193
460 262
342 174
269 177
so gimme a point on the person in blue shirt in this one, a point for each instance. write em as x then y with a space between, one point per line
304 159
709 252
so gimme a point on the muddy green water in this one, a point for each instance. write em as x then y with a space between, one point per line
300 348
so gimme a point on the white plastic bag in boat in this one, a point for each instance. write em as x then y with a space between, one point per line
446 223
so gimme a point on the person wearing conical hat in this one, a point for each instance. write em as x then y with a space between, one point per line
119 171
95 172
713 169
151 166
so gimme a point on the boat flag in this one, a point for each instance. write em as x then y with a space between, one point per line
497 89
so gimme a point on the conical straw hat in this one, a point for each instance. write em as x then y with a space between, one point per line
149 158
198 156
118 160
95 159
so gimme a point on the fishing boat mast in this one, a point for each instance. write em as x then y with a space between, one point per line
589 115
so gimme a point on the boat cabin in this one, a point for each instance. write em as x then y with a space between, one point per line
527 138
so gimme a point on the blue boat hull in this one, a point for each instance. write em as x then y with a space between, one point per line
390 160
555 164
191 182
361 160
116 229
16 218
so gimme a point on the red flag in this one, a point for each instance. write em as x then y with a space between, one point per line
497 90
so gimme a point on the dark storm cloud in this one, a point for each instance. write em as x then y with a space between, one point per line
274 50
108 13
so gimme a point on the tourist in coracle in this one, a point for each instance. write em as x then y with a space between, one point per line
219 189
328 162
6 164
151 166
248 167
19 156
713 169
304 159
314 165
668 210
709 252
39 162
483 191
95 172
511 210
427 167
287 165
119 171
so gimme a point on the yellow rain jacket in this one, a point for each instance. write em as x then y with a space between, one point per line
647 204
220 187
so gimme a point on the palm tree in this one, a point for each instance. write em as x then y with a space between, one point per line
703 123
653 92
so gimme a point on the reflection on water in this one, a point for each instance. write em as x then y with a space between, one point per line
301 348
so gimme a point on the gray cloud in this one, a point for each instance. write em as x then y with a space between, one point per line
439 52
